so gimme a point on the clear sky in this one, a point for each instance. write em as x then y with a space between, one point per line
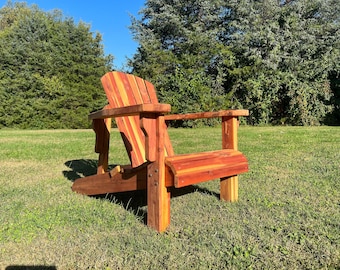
111 18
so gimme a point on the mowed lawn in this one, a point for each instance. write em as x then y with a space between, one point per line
287 216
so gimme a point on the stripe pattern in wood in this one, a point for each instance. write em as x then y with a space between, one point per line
126 90
191 169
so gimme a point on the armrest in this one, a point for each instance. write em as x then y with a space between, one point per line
131 110
199 115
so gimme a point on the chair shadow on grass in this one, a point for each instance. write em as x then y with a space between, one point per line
134 201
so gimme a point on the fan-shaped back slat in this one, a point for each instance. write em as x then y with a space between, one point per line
125 90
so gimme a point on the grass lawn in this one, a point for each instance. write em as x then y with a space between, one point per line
287 216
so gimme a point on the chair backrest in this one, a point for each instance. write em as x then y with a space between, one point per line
125 90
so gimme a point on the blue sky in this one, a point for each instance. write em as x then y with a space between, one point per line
109 17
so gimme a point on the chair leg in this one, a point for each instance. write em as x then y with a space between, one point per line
229 189
229 185
157 192
158 199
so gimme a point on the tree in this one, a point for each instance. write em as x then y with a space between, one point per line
278 58
179 51
49 69
285 51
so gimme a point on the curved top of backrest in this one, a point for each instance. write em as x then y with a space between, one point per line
125 90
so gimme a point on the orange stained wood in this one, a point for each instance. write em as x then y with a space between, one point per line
127 90
229 185
179 168
229 133
158 196
111 182
200 115
229 188
130 111
102 129
195 168
154 166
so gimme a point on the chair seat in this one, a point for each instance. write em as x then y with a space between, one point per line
189 169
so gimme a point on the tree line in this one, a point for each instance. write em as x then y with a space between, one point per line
50 69
279 59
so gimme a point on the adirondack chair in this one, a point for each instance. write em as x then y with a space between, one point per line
141 120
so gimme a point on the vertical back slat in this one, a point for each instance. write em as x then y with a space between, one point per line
134 137
116 91
135 90
125 90
143 91
151 91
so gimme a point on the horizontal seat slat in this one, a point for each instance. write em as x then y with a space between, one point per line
182 162
202 176
195 168
203 155
203 165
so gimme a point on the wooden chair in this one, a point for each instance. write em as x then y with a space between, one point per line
154 166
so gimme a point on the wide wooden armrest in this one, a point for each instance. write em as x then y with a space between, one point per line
199 115
131 110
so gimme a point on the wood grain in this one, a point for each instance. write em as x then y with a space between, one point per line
154 166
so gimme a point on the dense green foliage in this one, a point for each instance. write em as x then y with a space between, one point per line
291 50
180 54
280 59
49 69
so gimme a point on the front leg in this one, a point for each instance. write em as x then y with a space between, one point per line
158 196
229 185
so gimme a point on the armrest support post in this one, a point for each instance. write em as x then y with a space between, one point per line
229 185
229 132
158 196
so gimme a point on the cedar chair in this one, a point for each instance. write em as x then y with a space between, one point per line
154 166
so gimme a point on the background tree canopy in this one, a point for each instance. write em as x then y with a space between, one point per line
279 59
50 69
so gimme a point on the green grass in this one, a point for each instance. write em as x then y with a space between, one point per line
287 216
